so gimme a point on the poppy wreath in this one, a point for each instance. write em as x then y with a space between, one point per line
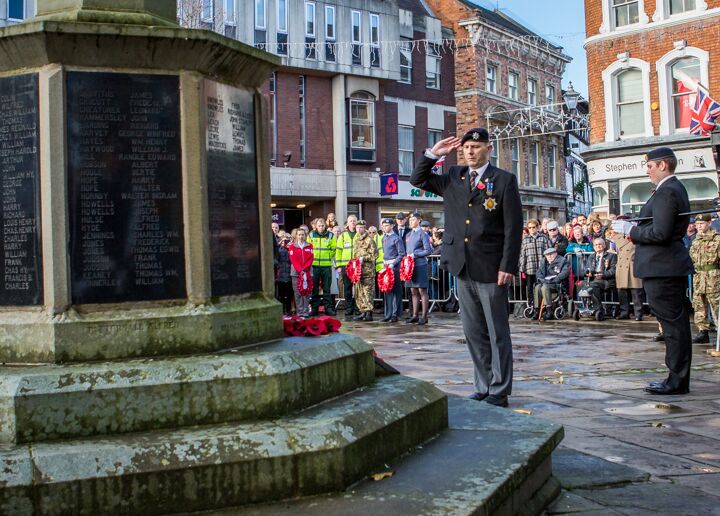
304 283
407 266
298 327
386 279
353 269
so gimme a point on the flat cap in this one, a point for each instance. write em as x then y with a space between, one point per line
400 215
549 251
705 217
477 135
386 221
552 224
659 153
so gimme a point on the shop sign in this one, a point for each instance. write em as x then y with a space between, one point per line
278 216
407 192
625 167
389 184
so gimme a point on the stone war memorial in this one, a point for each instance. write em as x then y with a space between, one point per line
142 364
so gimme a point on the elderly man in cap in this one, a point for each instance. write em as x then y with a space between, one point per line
557 239
393 252
552 276
705 254
481 247
663 263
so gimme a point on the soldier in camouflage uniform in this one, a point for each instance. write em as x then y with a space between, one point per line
705 254
365 248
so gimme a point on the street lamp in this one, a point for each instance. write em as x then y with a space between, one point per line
571 97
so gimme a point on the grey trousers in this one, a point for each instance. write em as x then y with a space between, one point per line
484 315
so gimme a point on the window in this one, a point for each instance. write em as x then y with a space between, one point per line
432 67
625 12
374 41
681 6
406 62
282 27
310 31
356 38
330 45
406 155
230 12
534 177
550 96
301 106
206 10
685 74
552 165
494 152
434 137
515 157
16 10
513 81
260 24
491 79
362 128
629 106
532 92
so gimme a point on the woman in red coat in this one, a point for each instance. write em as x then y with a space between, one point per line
301 258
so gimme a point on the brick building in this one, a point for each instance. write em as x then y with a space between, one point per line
644 59
504 74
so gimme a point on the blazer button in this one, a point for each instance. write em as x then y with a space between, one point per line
467 239
467 221
470 205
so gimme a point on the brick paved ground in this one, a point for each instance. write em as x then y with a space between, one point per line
625 452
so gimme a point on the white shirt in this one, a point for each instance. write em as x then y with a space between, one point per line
663 180
480 171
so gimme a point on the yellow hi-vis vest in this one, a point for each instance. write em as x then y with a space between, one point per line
381 253
323 248
344 249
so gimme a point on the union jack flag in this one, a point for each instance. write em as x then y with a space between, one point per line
438 164
703 113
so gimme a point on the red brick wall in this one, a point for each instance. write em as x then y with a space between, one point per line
648 45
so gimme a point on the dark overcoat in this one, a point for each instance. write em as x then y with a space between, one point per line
483 229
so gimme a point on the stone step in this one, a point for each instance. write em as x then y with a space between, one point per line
58 402
322 449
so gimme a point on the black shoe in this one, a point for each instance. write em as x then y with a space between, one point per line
658 338
422 321
623 317
702 338
663 390
412 320
638 317
393 319
359 317
477 396
547 315
386 318
368 316
330 312
498 401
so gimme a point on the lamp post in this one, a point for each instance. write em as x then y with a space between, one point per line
571 97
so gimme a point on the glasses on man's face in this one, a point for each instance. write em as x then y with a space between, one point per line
554 229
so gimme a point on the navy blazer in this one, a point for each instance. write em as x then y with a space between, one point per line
659 250
479 237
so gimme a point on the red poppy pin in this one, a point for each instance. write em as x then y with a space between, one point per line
480 185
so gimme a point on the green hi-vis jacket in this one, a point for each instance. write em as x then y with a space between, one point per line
344 248
323 248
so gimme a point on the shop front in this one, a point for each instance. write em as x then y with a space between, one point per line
410 199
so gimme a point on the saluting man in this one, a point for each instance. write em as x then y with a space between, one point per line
663 263
481 247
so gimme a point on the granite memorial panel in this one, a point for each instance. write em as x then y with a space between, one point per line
125 195
232 190
21 250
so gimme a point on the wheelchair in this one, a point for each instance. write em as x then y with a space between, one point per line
585 307
557 308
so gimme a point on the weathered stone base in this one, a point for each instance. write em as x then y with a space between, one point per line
325 448
36 337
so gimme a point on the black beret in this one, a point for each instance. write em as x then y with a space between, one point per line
416 214
386 221
425 224
659 153
477 135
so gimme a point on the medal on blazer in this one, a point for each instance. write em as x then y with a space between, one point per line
490 204
490 188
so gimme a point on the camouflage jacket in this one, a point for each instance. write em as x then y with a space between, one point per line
366 248
705 254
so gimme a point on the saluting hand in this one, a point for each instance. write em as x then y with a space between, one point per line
446 146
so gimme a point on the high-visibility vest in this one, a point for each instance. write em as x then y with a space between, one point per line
344 249
323 248
381 254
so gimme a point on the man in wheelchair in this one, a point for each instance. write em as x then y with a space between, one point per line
600 272
551 281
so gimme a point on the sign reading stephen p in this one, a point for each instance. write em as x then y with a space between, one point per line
389 184
278 216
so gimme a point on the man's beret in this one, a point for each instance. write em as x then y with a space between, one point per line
416 214
549 251
659 153
360 223
425 224
400 215
386 221
477 135
705 217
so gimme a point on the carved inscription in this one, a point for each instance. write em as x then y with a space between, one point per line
20 252
232 189
126 237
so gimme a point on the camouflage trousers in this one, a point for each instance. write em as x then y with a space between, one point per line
365 289
701 302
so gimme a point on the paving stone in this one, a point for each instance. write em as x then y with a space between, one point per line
667 439
569 502
655 498
709 482
577 470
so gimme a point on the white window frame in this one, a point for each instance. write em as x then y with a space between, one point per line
662 10
608 23
410 151
516 76
433 55
333 36
612 130
282 21
356 16
491 76
371 110
535 83
534 164
260 7
662 66
550 96
24 10
495 152
375 41
230 12
552 166
312 34
515 157
409 66
205 7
